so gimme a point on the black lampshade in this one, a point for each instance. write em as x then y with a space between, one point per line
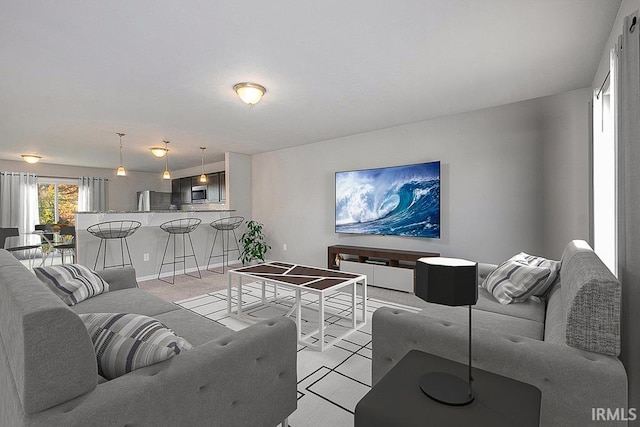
447 281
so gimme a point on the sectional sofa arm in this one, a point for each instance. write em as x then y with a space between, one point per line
572 381
119 278
247 378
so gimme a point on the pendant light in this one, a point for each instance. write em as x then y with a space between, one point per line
203 177
166 174
121 171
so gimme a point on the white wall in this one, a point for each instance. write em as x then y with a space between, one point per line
493 194
565 162
121 190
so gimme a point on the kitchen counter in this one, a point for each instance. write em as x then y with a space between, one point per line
148 243
156 211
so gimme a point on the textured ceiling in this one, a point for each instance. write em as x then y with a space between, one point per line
73 73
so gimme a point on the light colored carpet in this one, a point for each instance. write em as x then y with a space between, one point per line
188 287
330 383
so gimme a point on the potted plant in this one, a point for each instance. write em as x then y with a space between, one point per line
254 243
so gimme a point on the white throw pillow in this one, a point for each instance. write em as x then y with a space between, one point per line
521 277
73 283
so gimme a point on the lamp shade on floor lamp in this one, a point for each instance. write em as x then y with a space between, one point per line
454 282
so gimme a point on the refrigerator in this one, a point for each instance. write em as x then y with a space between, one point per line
149 200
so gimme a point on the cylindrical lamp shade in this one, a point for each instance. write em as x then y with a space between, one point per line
447 281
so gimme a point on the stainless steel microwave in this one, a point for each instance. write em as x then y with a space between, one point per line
198 194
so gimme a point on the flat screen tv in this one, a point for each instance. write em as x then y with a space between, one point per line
399 200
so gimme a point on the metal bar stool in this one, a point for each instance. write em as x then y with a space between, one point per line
113 230
182 226
225 225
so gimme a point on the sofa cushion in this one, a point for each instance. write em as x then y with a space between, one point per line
126 301
73 283
196 329
521 277
528 309
126 342
496 322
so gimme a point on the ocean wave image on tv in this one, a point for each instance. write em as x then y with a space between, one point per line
401 200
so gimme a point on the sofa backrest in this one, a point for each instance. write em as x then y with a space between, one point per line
585 305
46 355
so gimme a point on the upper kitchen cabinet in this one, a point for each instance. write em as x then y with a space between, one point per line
216 187
185 190
175 192
223 187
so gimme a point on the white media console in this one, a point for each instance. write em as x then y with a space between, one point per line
386 268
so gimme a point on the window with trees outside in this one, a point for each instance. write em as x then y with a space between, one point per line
57 201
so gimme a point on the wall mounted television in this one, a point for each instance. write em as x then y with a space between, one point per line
398 200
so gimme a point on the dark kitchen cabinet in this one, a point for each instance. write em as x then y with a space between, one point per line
223 187
185 190
175 191
213 187
216 188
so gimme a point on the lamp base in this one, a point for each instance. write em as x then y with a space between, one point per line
446 388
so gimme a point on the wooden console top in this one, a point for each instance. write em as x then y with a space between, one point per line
363 253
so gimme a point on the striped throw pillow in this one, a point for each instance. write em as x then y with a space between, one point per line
126 342
73 283
521 277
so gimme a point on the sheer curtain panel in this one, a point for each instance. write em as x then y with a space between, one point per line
19 200
92 194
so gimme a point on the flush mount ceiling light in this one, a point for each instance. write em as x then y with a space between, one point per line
121 171
249 93
203 177
165 174
159 152
31 158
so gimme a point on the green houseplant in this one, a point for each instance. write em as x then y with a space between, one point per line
254 243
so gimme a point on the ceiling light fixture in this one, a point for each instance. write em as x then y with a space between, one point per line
203 177
121 171
165 174
249 93
31 158
159 152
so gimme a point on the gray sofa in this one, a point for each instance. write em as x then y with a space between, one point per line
567 347
49 375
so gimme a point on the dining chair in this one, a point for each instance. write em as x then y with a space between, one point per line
14 232
46 241
68 235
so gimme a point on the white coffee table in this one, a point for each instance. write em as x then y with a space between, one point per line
299 278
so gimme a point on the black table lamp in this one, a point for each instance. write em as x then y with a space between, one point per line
448 281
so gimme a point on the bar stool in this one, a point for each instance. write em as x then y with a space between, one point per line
182 226
113 230
225 225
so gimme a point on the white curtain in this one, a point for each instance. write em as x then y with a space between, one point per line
19 200
92 194
629 198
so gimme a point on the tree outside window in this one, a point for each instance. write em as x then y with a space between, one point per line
57 203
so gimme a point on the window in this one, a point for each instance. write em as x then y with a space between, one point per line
57 200
604 170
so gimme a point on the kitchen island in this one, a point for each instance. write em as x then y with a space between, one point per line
147 244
